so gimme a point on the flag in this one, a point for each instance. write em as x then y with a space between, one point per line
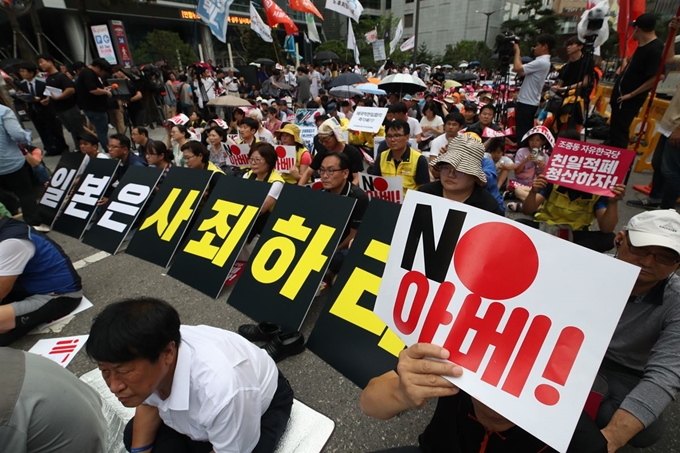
349 8
306 6
371 36
215 14
311 28
408 44
307 41
258 25
379 50
397 36
275 15
289 45
628 11
352 41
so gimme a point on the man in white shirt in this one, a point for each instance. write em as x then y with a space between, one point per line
232 83
316 82
453 123
534 74
195 386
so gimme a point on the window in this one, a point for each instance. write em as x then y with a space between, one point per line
408 20
410 1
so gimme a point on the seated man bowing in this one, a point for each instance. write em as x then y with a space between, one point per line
336 177
195 388
37 281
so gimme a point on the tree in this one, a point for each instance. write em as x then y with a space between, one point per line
163 45
338 47
427 57
468 51
255 47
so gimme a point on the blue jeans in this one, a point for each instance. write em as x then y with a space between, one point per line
101 125
670 169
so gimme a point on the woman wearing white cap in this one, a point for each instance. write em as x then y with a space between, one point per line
462 177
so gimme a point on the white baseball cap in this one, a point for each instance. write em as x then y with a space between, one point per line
660 228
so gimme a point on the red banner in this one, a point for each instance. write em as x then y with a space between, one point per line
588 167
275 15
120 43
306 6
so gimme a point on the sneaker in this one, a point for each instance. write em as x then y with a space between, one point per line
42 228
645 203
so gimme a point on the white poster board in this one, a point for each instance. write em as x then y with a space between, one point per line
60 350
390 188
102 40
239 156
286 158
367 119
549 323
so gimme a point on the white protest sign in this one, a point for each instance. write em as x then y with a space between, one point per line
178 119
546 333
307 134
367 119
102 39
307 117
286 158
60 350
239 156
52 92
386 188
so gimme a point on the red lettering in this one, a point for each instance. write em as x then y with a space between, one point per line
527 354
422 288
438 314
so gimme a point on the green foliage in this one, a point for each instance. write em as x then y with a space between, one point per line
338 47
427 57
468 51
163 45
255 47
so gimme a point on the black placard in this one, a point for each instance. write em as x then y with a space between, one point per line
291 256
205 259
125 205
169 214
63 178
83 204
348 335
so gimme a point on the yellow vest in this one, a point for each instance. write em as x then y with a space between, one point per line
365 138
406 169
559 209
298 157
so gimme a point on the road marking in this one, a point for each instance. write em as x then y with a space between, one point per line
90 259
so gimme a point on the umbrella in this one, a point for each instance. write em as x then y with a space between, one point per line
402 83
474 63
230 101
463 76
10 63
232 69
452 84
373 80
463 64
347 78
345 91
447 66
265 61
371 88
326 55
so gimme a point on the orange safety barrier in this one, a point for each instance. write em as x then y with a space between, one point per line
650 137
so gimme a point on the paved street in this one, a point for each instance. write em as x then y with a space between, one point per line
315 383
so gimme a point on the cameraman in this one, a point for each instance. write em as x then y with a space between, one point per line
534 73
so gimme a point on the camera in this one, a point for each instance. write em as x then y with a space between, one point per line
505 49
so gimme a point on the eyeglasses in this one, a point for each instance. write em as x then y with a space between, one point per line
255 160
188 157
114 146
449 170
325 138
394 137
328 171
661 258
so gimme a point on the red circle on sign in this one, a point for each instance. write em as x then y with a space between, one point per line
380 184
317 185
281 152
235 150
487 251
547 394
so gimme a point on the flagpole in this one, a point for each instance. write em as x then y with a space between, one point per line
275 52
628 21
416 18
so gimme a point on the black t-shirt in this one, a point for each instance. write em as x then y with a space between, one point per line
355 157
439 77
643 65
575 71
479 198
478 129
352 191
61 81
454 429
88 81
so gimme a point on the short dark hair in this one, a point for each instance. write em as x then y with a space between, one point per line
78 65
28 66
303 70
345 163
267 152
344 104
398 125
101 64
488 107
398 107
122 139
142 131
312 105
573 40
252 123
46 57
182 129
496 143
138 328
455 116
273 110
431 107
160 149
89 138
197 149
219 131
546 39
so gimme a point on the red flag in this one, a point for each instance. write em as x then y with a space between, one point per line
275 15
306 6
629 10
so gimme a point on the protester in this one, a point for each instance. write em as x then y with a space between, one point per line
495 152
530 161
637 78
159 156
400 159
453 123
47 408
15 172
470 113
431 124
218 147
195 388
263 159
274 123
196 155
37 281
486 116
92 96
304 85
140 136
534 73
262 134
575 77
289 135
88 144
641 365
248 128
119 148
178 135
